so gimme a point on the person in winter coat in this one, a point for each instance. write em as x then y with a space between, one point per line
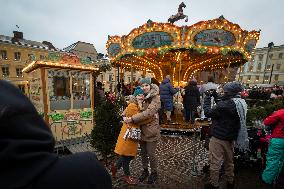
209 86
228 125
150 132
166 95
275 154
191 100
125 147
27 157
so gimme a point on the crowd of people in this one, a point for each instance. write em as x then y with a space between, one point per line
27 143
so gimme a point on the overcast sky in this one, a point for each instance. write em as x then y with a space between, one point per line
64 22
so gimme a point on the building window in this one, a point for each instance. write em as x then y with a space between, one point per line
89 58
19 72
129 79
31 57
22 88
41 57
259 67
5 71
4 54
280 55
17 55
249 77
266 78
278 66
276 77
110 77
134 79
251 68
260 57
267 67
257 78
271 56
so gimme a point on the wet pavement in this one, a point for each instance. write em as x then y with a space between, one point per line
181 159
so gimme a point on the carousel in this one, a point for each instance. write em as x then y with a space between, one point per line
215 47
61 89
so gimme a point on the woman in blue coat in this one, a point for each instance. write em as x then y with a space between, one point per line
166 96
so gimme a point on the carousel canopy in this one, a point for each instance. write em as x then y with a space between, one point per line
63 61
167 49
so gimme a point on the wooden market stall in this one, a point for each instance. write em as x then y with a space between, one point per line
61 89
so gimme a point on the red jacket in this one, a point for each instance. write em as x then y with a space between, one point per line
277 121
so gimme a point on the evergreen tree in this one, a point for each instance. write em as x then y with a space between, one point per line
107 126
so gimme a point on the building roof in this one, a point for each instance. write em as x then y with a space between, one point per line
82 49
25 43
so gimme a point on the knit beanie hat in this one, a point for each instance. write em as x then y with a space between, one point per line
145 80
138 91
233 88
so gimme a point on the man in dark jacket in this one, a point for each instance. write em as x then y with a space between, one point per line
27 160
166 95
191 100
224 131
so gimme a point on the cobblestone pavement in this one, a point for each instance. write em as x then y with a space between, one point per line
179 170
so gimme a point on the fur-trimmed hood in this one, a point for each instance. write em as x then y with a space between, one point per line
153 91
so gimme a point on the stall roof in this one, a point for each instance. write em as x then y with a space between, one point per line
64 62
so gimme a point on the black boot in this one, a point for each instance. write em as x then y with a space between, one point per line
153 177
144 175
210 186
230 185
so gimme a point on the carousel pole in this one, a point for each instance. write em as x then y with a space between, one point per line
131 78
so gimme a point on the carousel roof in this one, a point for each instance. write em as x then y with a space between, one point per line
167 49
63 61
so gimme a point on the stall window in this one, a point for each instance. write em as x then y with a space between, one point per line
61 86
81 90
59 90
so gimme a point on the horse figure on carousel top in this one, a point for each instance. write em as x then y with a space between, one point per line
179 15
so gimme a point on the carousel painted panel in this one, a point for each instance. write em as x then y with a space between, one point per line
114 49
152 40
250 45
35 92
215 37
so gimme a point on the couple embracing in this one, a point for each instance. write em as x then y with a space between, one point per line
141 112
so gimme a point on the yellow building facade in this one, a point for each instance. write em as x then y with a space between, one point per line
15 52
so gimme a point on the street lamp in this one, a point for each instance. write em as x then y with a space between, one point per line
270 46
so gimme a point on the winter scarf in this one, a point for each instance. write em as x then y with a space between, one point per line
242 142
